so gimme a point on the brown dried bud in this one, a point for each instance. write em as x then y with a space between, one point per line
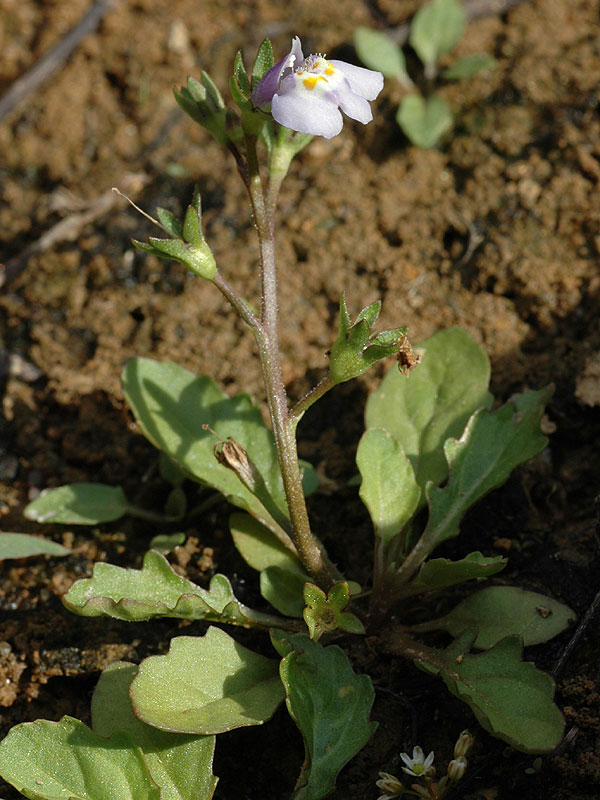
233 456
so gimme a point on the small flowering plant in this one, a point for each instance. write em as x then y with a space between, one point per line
431 449
422 768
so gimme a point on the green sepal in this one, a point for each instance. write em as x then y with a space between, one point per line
204 104
192 223
198 260
325 613
355 348
370 313
240 75
169 222
264 61
189 247
213 95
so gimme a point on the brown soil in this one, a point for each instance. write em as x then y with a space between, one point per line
497 231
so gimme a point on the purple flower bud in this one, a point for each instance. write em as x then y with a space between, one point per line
306 94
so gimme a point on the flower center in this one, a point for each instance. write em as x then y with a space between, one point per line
317 71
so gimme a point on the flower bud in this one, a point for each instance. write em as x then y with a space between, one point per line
457 768
463 744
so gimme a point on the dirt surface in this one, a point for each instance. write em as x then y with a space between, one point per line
497 231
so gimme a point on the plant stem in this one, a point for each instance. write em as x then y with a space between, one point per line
311 397
407 647
267 338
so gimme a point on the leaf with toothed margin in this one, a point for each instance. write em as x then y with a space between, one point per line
510 698
157 591
330 704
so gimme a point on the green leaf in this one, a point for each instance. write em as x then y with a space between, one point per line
66 761
492 445
435 29
180 764
330 704
79 504
21 545
157 591
377 51
499 611
260 548
388 489
422 409
264 62
167 542
282 576
207 684
469 66
438 573
510 698
283 590
171 405
424 120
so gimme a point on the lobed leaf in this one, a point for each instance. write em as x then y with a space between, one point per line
330 704
157 591
65 760
422 409
511 699
388 489
181 764
499 611
438 573
492 445
79 504
207 685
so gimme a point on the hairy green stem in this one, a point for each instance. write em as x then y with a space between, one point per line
267 338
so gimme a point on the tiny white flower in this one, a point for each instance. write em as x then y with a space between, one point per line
418 765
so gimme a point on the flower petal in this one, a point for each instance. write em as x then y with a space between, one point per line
269 85
354 105
316 114
365 82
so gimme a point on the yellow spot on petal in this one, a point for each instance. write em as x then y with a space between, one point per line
329 70
310 83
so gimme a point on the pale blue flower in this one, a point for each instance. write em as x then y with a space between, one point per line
306 94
